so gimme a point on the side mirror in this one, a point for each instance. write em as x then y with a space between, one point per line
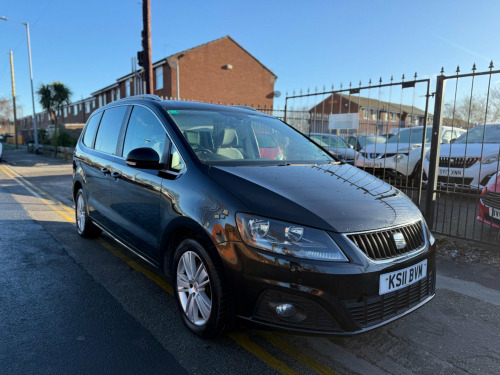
445 141
144 158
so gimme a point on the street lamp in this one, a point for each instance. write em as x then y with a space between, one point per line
31 77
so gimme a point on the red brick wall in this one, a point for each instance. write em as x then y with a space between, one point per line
203 78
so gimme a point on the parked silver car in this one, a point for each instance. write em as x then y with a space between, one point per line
335 146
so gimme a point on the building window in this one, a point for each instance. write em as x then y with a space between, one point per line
75 110
118 93
159 78
100 101
365 113
104 98
65 111
93 103
127 88
373 113
79 107
87 107
394 117
112 95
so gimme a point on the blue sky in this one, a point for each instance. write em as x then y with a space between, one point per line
307 44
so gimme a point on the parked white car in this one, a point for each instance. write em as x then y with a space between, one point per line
401 155
471 160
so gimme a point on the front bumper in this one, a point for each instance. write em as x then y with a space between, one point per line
335 298
474 177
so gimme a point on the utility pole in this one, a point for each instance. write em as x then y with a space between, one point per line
146 45
13 96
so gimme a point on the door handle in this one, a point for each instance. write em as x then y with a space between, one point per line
116 174
105 170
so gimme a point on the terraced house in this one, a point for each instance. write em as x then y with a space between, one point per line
220 71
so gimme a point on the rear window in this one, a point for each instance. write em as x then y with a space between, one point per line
107 135
90 129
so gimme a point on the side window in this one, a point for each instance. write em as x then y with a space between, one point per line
176 163
144 130
90 129
109 130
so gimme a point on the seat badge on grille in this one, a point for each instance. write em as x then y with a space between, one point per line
400 240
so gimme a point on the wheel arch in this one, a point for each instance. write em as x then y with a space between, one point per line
178 230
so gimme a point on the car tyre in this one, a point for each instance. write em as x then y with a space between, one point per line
199 290
84 225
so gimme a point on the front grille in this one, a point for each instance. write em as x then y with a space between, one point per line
376 309
455 180
457 162
376 156
491 199
317 318
382 245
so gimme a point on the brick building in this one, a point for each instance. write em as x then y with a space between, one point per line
220 71
375 116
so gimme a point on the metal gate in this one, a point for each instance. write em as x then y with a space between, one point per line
386 129
463 197
381 128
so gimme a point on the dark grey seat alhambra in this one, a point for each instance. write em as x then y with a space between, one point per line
250 219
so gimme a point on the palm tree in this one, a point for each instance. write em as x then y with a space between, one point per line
52 97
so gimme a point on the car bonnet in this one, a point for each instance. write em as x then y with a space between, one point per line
338 198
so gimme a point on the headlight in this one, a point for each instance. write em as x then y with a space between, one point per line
399 157
490 159
288 239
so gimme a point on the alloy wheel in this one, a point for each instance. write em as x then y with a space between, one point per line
194 289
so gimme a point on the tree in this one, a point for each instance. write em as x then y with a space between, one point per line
53 97
5 109
469 113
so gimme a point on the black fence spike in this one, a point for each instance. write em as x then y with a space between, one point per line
491 65
415 76
458 69
442 70
474 68
403 77
359 83
350 84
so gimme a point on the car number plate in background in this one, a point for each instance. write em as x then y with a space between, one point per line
494 213
392 281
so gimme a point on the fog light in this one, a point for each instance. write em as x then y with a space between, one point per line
286 310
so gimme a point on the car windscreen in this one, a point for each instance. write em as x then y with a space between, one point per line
488 134
221 137
329 140
411 136
369 140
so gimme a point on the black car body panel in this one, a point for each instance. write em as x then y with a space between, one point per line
148 209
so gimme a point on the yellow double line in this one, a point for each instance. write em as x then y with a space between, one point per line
241 338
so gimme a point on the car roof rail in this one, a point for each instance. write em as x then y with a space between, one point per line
143 96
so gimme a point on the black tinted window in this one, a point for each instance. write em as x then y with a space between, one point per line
144 130
90 129
107 135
